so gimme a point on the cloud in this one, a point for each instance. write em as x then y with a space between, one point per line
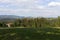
17 1
40 7
28 8
54 4
20 4
34 12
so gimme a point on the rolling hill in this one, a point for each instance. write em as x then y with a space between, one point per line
9 17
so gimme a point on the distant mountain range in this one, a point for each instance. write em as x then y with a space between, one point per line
9 17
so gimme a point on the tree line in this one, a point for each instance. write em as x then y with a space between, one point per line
34 22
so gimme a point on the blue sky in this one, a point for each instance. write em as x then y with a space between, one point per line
34 8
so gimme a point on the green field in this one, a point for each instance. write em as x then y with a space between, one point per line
29 34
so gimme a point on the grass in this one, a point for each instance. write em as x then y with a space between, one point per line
29 34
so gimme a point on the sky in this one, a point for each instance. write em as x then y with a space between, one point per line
33 8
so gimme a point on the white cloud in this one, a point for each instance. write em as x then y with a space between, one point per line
17 1
40 7
54 4
31 12
12 0
4 10
28 8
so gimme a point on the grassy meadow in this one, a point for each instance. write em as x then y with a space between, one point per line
29 34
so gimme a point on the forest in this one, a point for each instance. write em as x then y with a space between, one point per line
32 22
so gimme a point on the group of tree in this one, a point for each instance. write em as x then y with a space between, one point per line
34 22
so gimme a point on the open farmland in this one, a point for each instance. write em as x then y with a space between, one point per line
29 34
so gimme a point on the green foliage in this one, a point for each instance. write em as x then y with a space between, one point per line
29 34
33 22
